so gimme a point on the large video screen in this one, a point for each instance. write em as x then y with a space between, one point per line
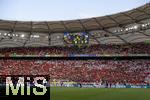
77 39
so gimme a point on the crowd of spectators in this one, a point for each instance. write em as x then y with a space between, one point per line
109 49
111 71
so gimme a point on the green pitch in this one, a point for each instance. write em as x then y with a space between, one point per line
61 93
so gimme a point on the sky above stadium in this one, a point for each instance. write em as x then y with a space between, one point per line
50 10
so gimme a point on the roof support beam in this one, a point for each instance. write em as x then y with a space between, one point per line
100 25
143 11
50 31
31 28
111 32
1 40
117 36
118 24
84 29
13 28
135 21
66 29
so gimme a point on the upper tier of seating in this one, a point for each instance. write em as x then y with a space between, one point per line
124 49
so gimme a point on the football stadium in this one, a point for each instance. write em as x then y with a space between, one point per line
97 58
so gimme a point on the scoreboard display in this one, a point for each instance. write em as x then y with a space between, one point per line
76 39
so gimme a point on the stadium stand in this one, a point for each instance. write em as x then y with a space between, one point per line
111 71
123 34
123 50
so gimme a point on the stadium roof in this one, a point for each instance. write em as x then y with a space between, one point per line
112 26
119 19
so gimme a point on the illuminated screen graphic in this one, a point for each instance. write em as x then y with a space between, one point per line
77 39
